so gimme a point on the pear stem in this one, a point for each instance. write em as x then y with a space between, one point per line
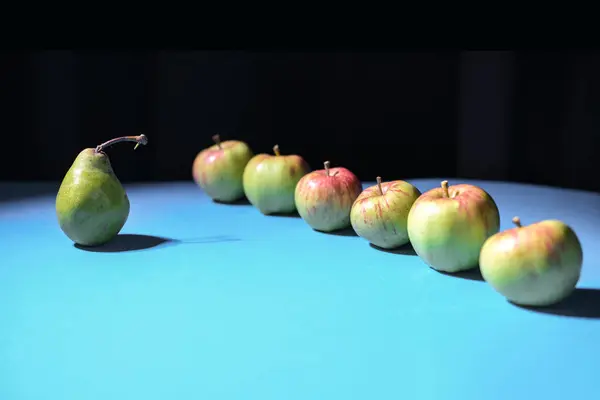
326 164
445 189
217 140
276 150
141 139
517 222
379 185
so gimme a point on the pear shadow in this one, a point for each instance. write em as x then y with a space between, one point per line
293 214
128 242
239 202
406 250
340 232
133 242
582 303
473 274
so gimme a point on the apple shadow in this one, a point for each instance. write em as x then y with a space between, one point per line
239 202
133 242
582 303
340 232
473 274
293 214
406 250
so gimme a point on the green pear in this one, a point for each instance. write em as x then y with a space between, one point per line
92 205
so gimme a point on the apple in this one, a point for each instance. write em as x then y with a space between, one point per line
448 225
218 169
324 198
536 265
380 213
270 181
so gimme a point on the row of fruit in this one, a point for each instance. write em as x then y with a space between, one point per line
452 228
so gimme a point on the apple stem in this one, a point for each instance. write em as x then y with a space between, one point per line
379 185
517 222
445 189
276 150
327 164
217 140
141 139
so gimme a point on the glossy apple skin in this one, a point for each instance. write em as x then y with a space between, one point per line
382 219
270 181
324 201
448 232
535 265
219 171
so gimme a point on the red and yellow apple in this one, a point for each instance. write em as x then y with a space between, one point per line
270 181
535 265
380 213
447 226
324 198
219 169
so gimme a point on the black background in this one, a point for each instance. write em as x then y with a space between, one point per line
500 115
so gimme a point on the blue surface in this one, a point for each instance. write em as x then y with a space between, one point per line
243 306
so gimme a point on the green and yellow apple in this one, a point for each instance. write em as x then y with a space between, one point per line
324 198
536 265
270 181
380 213
448 225
219 169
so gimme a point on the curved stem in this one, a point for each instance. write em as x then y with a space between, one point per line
445 189
276 150
217 140
326 164
141 139
517 222
379 185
